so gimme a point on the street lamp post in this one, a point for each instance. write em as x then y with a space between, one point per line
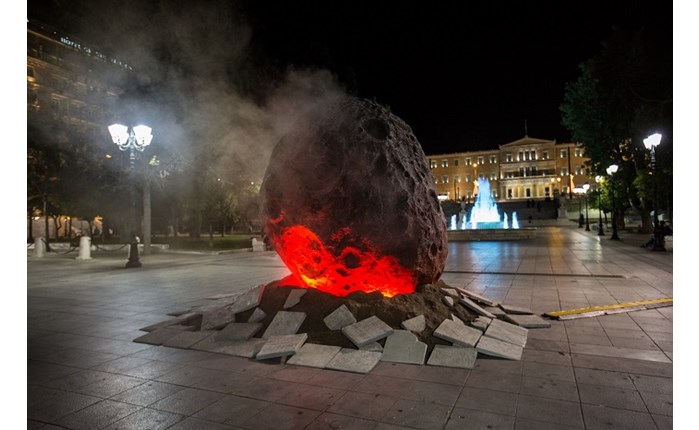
578 191
611 170
132 140
650 143
586 188
600 227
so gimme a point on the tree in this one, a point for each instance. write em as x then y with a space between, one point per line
623 95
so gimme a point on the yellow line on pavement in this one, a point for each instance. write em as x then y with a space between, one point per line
609 307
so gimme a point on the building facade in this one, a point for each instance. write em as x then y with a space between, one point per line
527 168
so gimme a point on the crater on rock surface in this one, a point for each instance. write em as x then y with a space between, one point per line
349 203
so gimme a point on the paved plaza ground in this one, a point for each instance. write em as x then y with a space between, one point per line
612 371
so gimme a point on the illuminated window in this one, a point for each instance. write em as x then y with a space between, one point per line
468 178
493 176
445 179
578 152
545 155
445 163
532 155
457 179
580 170
468 161
481 160
456 162
508 157
563 153
433 164
493 159
564 171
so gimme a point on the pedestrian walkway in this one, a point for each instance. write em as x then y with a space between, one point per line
612 371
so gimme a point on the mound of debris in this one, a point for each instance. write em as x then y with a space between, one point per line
450 325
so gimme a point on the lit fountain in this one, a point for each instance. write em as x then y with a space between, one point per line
485 216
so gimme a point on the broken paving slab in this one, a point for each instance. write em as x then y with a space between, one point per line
457 333
281 346
450 292
416 324
214 319
477 297
367 331
238 331
495 310
178 321
475 307
186 339
283 323
294 297
373 346
481 323
507 332
528 321
404 347
339 318
257 316
314 355
247 348
498 348
353 360
158 336
448 300
517 310
453 356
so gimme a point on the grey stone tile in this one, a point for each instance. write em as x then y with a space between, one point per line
483 399
281 346
146 419
98 415
495 310
284 323
416 414
363 405
604 377
187 401
528 424
179 321
452 356
335 379
603 417
111 385
509 382
515 309
294 297
311 397
470 304
652 384
550 388
199 424
367 331
314 355
448 300
548 371
477 297
238 331
528 321
615 352
373 346
402 346
350 360
499 348
611 397
643 367
232 410
549 357
339 318
223 311
442 375
158 336
658 404
457 333
187 338
147 393
507 332
262 388
257 316
48 404
281 417
663 422
335 421
416 324
549 410
462 418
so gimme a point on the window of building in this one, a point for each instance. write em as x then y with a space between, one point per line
457 179
445 163
580 170
493 176
433 164
509 193
481 176
468 178
481 160
493 159
563 153
528 192
445 179
520 156
495 194
565 189
456 162
578 152
510 174
508 157
564 171
468 161
532 155
545 155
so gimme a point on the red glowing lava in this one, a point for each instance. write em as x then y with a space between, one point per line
355 267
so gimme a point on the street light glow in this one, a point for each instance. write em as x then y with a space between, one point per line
120 134
653 140
612 169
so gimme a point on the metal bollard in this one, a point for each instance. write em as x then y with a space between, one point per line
39 247
84 252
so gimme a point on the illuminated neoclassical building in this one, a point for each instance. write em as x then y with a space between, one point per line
527 168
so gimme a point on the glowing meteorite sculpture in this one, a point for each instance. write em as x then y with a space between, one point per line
349 203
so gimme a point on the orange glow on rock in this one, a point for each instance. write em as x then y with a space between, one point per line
357 266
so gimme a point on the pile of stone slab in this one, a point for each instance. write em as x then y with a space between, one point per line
498 331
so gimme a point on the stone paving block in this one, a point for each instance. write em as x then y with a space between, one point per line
187 338
456 319
507 332
416 324
516 310
314 355
281 346
352 360
457 333
217 317
373 346
481 324
339 318
179 321
158 336
404 347
528 321
448 300
470 304
284 323
238 331
477 297
247 348
294 297
453 356
498 348
367 330
450 292
257 316
495 310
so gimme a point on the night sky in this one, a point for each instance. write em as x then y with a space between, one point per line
464 75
